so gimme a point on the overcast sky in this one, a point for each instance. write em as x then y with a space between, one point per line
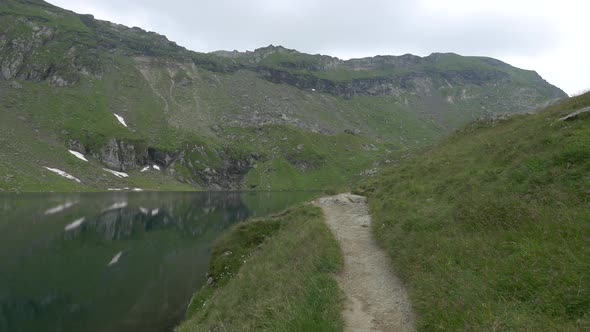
548 36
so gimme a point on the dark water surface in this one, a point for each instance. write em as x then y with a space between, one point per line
113 261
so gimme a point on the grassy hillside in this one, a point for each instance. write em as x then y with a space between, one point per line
269 119
490 230
272 275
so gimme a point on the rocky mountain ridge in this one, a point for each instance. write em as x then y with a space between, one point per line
273 118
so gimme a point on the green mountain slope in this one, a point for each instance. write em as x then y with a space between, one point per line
269 119
490 229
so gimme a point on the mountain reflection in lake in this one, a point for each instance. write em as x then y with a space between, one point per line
112 262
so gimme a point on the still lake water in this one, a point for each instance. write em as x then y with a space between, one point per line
113 261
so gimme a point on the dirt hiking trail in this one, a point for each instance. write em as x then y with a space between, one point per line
376 299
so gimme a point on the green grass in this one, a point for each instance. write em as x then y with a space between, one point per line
490 229
208 108
274 274
295 159
29 140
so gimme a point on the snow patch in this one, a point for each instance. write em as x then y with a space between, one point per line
117 174
59 208
144 210
120 119
116 258
156 167
78 155
155 211
75 224
62 173
145 169
116 206
126 188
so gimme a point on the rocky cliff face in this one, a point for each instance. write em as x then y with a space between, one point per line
22 47
229 176
121 155
117 154
363 76
378 86
16 51
66 74
61 47
27 56
220 173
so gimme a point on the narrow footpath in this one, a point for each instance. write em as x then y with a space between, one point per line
376 299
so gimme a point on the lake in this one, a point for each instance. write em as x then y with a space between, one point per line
113 261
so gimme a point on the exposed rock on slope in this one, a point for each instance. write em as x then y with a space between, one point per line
67 74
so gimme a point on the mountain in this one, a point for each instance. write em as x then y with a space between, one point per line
494 220
269 119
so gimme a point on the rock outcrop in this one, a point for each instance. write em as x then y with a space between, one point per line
199 117
125 155
122 155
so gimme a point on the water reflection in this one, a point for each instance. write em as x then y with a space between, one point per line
112 262
75 224
59 208
115 206
115 259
